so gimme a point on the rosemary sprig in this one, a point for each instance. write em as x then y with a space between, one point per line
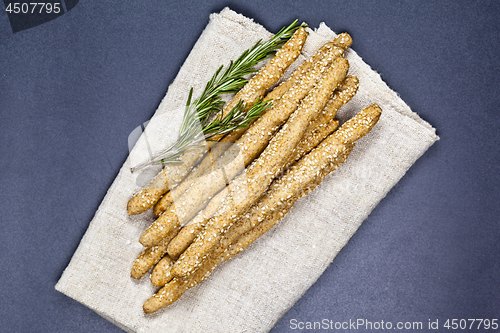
205 112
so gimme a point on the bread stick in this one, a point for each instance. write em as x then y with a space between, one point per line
169 176
272 70
320 128
167 295
260 174
256 87
251 144
191 230
162 272
344 93
303 177
331 49
207 164
232 244
299 180
343 41
324 123
150 256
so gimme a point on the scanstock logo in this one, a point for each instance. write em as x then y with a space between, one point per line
28 14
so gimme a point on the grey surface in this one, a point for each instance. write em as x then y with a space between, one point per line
72 90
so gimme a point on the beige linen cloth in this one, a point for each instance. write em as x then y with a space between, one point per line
252 291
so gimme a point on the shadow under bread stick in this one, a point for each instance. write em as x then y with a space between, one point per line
330 50
255 89
251 144
302 178
322 126
150 256
263 170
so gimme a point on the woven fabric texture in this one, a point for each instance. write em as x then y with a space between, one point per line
253 290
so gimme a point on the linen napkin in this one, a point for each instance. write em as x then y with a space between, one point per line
253 290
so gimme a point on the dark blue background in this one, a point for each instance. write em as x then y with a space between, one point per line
72 90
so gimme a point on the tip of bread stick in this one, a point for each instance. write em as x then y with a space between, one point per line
133 208
137 272
359 125
143 201
163 204
350 81
166 224
150 306
343 40
339 65
167 295
161 273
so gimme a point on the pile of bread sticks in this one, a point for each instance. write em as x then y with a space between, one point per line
229 192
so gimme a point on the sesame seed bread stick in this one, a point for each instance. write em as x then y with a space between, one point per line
320 128
256 87
271 72
300 179
250 145
206 165
150 256
169 176
263 170
166 200
176 214
231 245
307 173
342 41
297 181
324 123
249 220
343 94
162 272
189 232
167 295
303 176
